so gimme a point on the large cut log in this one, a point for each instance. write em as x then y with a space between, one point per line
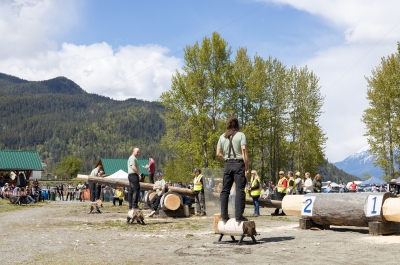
234 228
291 204
343 209
170 201
267 203
391 209
125 183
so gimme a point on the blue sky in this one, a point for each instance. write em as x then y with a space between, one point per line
123 49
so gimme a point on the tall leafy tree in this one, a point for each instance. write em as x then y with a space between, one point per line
382 117
306 139
69 166
194 103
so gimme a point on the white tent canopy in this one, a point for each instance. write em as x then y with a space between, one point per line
120 174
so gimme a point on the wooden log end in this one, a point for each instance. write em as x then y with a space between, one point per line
172 202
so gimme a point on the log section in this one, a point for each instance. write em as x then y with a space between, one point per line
391 209
342 209
267 203
125 183
170 201
291 204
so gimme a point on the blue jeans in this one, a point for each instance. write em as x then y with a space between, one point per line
256 205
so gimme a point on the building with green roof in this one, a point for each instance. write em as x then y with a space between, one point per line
15 161
112 165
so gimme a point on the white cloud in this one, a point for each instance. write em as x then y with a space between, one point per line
371 30
25 25
143 72
27 50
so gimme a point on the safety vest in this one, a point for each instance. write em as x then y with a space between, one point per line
294 185
281 188
253 182
198 186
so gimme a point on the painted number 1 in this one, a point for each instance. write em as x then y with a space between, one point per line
373 205
373 208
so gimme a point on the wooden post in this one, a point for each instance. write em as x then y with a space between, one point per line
383 228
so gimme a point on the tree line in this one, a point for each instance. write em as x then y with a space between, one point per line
382 117
278 108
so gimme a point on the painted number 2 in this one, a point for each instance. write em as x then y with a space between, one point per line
306 210
373 205
307 205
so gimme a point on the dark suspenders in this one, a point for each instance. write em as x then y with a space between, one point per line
231 147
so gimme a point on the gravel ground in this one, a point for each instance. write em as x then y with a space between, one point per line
63 233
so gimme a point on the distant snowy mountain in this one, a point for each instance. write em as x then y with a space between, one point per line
360 163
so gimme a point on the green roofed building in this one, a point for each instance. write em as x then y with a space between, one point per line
15 161
112 165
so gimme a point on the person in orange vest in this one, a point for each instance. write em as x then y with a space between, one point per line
255 191
281 191
198 191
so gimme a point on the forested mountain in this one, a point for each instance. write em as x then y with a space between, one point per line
57 118
330 172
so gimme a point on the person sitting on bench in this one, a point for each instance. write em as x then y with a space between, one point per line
119 195
160 187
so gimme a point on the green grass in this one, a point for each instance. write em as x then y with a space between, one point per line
6 206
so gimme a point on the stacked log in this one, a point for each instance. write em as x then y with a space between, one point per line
125 183
171 201
341 209
267 203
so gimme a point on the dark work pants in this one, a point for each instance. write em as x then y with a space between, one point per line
279 197
61 194
133 195
117 199
92 189
155 202
200 202
151 178
233 172
97 192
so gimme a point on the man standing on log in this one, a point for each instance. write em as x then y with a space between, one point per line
281 191
134 178
232 148
92 186
198 191
160 187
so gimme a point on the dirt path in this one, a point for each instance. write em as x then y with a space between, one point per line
63 233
